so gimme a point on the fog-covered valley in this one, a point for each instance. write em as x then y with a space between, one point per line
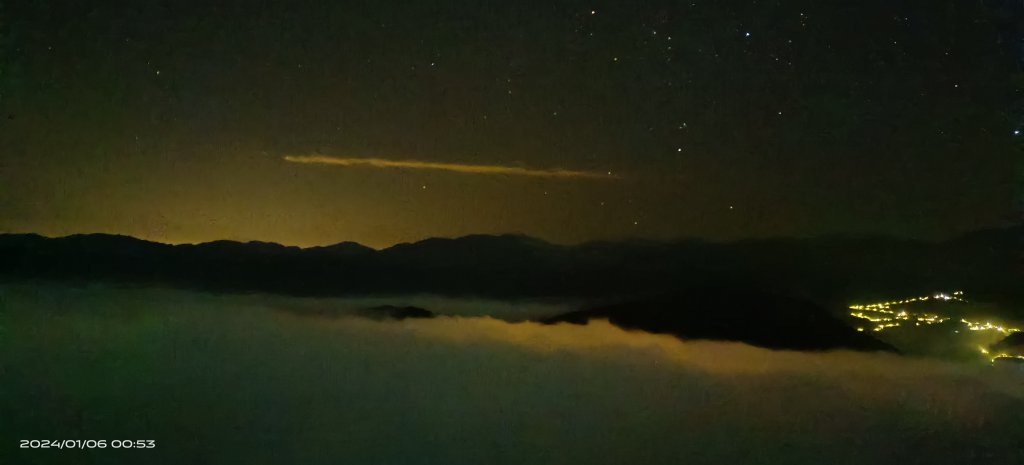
262 379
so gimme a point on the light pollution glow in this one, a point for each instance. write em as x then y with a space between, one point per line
454 167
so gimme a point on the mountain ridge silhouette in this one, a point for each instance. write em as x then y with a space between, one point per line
828 269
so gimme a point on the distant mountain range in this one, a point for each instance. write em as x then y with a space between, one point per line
825 269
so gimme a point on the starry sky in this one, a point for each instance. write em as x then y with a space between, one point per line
314 122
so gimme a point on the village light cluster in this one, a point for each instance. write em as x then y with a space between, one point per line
884 317
883 314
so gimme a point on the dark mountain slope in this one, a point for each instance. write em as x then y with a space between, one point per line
987 264
756 318
1012 344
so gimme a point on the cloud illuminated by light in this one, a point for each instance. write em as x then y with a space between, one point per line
455 167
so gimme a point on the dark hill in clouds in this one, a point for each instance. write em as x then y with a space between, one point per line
827 269
1012 344
756 318
393 312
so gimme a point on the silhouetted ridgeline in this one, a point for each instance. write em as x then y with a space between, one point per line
986 263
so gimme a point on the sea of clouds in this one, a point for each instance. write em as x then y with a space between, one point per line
272 380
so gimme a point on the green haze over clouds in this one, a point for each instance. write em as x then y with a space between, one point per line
245 379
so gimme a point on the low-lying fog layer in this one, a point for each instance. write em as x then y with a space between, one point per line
248 379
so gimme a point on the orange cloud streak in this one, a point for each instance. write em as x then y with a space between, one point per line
455 167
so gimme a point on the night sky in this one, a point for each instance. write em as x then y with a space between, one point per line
381 122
